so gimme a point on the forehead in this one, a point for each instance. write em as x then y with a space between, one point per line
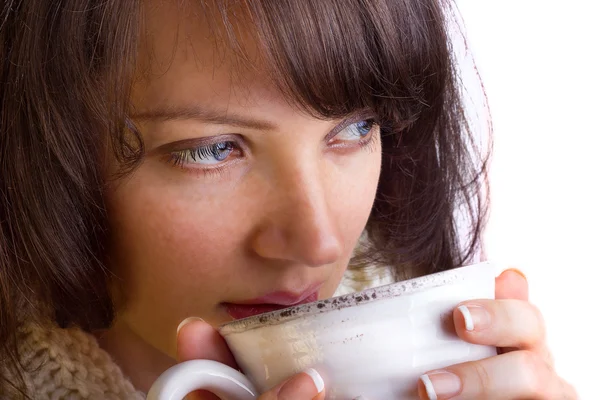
189 52
327 57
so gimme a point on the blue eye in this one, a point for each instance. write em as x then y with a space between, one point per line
364 127
356 131
205 155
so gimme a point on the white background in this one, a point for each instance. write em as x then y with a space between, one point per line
540 61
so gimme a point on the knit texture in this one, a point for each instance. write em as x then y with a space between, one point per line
69 364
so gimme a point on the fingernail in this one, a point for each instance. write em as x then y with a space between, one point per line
316 377
476 317
187 321
441 385
518 271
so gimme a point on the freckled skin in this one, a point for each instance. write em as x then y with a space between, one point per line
283 213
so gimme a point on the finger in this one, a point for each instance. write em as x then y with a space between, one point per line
196 339
307 385
516 375
512 284
500 323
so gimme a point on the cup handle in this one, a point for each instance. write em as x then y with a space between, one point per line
186 377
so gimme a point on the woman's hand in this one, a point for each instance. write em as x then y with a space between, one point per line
198 340
524 367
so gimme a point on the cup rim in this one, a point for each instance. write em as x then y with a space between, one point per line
370 295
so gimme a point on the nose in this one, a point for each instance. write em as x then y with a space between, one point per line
300 223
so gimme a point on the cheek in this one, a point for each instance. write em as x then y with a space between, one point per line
353 196
354 188
168 243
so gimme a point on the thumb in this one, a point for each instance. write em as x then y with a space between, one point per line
307 385
512 284
196 339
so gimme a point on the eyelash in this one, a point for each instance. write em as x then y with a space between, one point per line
179 158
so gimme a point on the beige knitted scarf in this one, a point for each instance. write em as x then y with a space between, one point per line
69 364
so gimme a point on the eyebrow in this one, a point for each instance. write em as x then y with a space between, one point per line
207 115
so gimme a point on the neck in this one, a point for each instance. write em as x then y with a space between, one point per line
140 362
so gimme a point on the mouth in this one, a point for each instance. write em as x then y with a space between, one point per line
271 302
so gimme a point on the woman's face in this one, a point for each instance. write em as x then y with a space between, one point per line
241 198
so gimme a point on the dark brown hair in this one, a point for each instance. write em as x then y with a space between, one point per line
66 73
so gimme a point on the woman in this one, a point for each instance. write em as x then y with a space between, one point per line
165 159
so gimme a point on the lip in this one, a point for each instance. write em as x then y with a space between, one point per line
272 302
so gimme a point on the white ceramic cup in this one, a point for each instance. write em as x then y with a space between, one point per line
374 343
